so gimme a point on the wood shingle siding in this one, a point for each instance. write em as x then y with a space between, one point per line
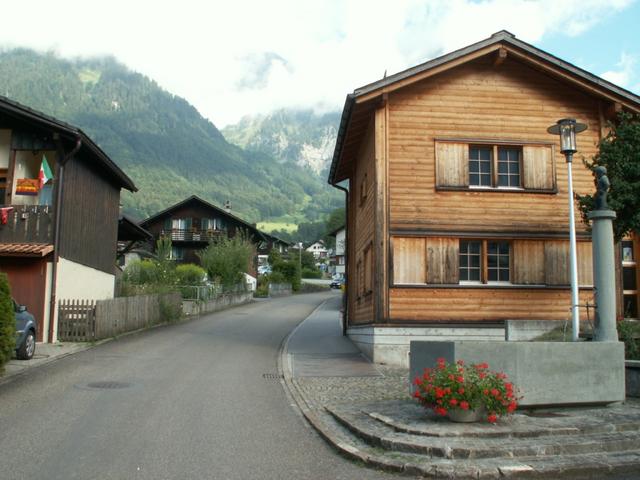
362 238
482 304
478 101
89 223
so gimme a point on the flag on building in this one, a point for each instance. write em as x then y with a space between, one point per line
45 172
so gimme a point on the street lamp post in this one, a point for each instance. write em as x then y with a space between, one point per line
567 129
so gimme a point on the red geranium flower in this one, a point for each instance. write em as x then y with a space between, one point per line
453 402
464 405
492 418
440 411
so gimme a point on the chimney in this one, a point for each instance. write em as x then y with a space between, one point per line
227 206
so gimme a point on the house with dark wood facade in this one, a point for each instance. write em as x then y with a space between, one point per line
458 199
58 228
193 223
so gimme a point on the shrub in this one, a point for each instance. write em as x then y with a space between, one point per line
141 272
311 273
7 322
290 271
190 274
227 259
629 333
458 386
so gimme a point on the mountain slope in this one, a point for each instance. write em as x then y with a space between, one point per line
297 137
160 140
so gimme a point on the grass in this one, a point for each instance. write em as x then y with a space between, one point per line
271 226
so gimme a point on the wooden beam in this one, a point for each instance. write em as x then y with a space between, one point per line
501 56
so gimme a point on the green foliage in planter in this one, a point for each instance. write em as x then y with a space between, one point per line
290 271
629 333
7 322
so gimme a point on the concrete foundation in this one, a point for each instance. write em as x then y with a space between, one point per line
526 330
546 373
390 345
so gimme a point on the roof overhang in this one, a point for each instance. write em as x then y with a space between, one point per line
359 105
35 250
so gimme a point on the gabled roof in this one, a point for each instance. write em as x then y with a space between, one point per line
204 203
364 98
71 134
129 230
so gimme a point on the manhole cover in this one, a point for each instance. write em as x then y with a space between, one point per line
272 376
105 385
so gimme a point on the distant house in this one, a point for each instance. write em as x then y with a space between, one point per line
58 228
458 198
318 250
193 223
132 239
339 256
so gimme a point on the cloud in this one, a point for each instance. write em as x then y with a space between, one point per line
252 56
624 73
258 69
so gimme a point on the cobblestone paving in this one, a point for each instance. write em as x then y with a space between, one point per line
320 392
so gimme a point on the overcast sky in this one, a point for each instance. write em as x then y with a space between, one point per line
244 57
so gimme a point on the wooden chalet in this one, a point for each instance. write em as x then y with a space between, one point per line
457 195
58 236
193 223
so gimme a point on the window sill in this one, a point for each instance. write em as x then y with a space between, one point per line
552 191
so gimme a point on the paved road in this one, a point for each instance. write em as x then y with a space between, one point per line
195 405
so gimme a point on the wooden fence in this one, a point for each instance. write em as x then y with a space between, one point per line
85 320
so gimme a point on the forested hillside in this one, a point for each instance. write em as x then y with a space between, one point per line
161 141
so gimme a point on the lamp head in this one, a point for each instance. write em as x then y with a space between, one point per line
567 129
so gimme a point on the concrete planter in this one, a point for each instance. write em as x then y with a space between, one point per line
546 373
632 378
467 416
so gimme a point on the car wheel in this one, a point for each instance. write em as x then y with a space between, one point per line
28 347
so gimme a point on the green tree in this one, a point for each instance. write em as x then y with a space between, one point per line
227 259
619 152
7 322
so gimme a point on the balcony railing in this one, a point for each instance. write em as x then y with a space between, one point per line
26 224
191 235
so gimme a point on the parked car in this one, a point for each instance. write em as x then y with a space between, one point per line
337 283
264 269
25 332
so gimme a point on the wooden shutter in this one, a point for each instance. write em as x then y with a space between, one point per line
528 262
452 164
409 260
585 263
442 260
556 262
538 167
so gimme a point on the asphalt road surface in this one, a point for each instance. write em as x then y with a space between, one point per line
187 401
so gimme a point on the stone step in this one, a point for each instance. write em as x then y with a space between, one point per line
581 466
460 447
